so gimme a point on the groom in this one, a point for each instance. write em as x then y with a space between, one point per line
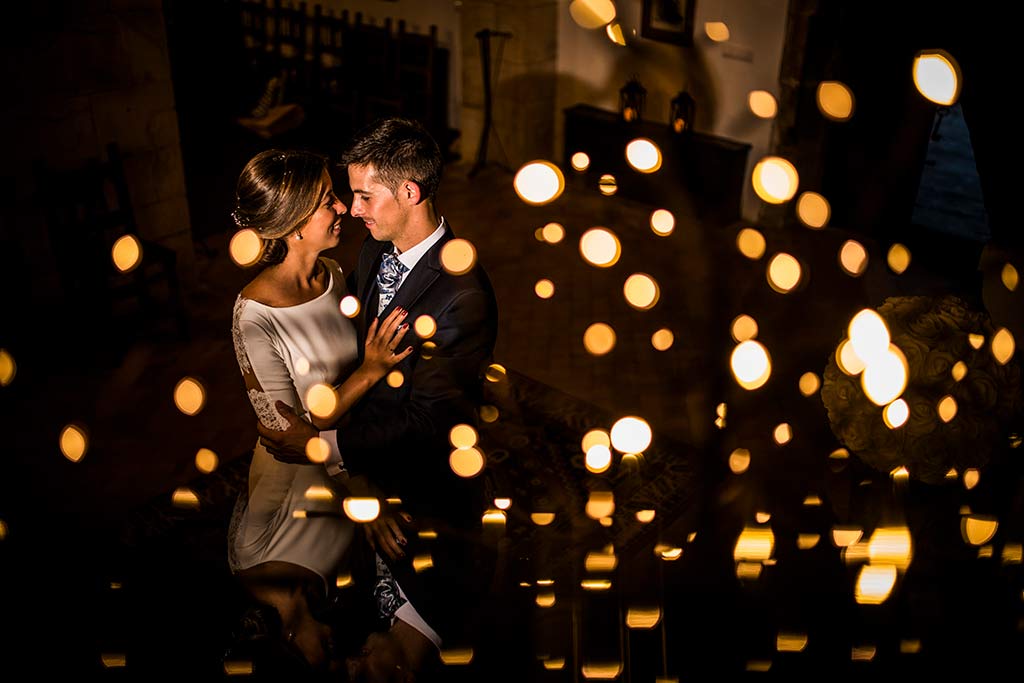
396 438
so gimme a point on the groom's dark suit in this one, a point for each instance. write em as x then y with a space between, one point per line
398 437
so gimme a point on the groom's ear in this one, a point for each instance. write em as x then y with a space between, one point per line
411 192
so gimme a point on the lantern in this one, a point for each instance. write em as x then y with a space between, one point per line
631 100
681 112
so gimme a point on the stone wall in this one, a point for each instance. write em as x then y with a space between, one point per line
86 74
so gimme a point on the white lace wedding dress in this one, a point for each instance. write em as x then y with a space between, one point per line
282 352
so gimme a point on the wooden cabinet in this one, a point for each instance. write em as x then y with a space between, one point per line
699 173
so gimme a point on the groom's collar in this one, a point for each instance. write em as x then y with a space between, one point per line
411 257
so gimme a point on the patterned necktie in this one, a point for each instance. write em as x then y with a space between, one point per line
388 277
386 592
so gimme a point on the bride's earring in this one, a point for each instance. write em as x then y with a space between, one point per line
298 235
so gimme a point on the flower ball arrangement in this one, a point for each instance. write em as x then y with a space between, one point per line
934 334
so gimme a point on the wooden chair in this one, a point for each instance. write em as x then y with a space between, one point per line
88 209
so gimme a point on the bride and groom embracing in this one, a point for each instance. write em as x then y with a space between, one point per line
289 540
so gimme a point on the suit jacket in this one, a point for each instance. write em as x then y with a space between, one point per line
398 437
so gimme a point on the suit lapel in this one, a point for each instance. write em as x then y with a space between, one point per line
420 278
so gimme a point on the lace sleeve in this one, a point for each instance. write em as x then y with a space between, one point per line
263 368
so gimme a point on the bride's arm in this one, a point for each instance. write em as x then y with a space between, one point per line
380 355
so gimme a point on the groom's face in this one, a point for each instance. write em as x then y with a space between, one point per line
385 217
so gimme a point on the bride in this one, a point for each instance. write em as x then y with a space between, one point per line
288 539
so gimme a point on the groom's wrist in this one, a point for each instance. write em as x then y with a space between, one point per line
334 463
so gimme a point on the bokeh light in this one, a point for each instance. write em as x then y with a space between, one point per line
835 100
947 408
126 253
349 306
544 288
763 104
896 413
782 433
751 365
739 460
784 272
809 383
717 31
885 377
185 498
361 509
848 360
751 243
743 328
206 460
598 458
496 372
74 442
978 529
1003 346
600 247
868 335
662 222
458 256
853 258
937 76
662 339
553 233
641 291
813 210
959 371
754 544
317 450
874 584
643 155
898 258
245 247
466 462
189 395
775 180
600 504
425 326
539 182
599 339
615 34
8 368
1009 277
463 436
607 184
631 435
322 400
580 161
592 14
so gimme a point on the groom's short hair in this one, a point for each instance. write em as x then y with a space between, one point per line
399 149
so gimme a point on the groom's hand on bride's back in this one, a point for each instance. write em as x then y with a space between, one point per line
288 445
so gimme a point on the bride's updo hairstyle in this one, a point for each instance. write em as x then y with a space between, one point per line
277 192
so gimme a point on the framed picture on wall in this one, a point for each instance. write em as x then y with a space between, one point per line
669 21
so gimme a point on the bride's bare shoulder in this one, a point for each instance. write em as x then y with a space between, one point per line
261 289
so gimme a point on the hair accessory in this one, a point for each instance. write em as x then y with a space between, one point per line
240 220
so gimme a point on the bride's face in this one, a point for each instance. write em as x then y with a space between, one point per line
323 228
